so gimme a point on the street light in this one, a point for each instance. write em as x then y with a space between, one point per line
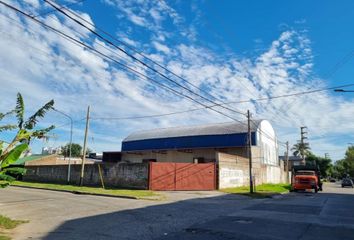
342 90
71 141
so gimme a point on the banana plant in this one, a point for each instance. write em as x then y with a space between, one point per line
6 171
25 133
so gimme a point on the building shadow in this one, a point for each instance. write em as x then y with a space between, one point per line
164 221
149 222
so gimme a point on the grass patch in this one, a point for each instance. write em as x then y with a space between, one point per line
7 223
262 191
138 194
4 237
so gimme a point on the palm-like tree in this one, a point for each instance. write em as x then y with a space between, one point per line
301 149
24 135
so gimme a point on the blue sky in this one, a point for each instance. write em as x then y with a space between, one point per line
235 50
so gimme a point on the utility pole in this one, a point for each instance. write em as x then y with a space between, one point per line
326 155
287 161
249 138
303 137
84 150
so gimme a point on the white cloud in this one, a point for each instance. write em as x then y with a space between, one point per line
137 20
42 65
162 48
34 3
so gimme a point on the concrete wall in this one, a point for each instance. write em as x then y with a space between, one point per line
170 156
234 168
128 175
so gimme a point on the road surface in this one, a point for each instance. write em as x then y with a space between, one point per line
328 215
184 215
59 215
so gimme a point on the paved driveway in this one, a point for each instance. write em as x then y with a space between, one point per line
58 215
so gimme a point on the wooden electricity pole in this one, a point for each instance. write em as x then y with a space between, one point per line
249 138
84 149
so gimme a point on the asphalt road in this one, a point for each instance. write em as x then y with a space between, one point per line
327 215
184 215
58 215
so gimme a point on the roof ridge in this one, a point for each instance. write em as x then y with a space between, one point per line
191 130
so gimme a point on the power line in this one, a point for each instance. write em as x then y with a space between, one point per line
291 94
196 109
117 118
244 101
173 113
219 104
142 55
138 52
205 106
328 74
65 124
52 11
146 116
66 36
39 51
136 59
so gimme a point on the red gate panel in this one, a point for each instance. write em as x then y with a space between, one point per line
191 176
182 176
162 176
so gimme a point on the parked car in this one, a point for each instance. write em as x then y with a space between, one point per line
332 180
347 182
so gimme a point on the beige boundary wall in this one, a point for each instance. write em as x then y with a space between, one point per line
234 169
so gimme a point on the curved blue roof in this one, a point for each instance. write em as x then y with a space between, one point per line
205 136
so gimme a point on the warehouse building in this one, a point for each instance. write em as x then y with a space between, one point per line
215 154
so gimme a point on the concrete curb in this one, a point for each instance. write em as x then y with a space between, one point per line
83 193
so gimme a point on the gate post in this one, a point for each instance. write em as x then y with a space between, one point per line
216 176
149 175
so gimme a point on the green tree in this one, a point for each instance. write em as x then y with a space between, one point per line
301 149
348 161
324 164
25 133
338 169
75 150
345 166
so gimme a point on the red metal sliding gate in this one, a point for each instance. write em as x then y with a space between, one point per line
182 176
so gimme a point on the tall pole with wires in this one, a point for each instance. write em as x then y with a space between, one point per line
249 142
85 146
